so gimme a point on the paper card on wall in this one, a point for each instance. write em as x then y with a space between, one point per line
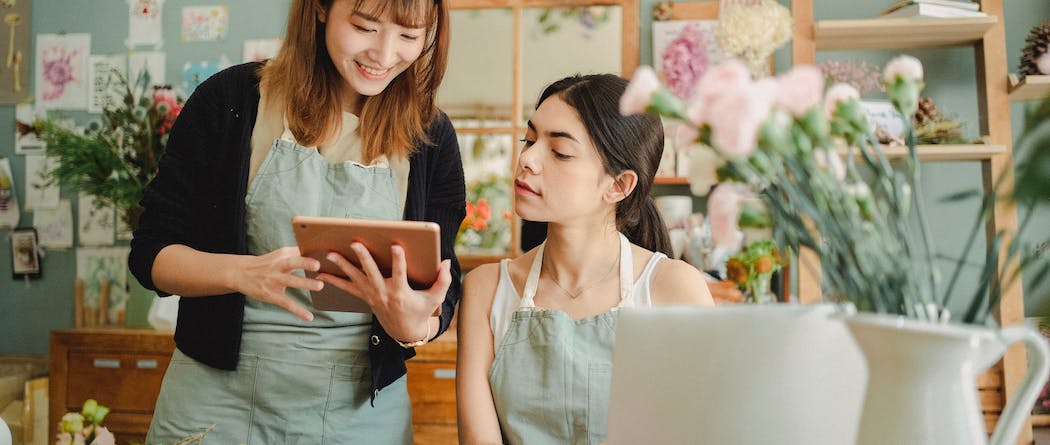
882 114
103 81
665 32
193 73
262 49
145 23
124 231
61 70
109 265
153 61
204 23
40 194
9 212
54 227
26 137
94 223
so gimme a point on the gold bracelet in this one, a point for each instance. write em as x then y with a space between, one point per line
413 344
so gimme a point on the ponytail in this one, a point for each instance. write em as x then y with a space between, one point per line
647 228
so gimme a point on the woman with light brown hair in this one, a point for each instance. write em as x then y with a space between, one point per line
341 123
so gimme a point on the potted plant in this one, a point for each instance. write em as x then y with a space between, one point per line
813 159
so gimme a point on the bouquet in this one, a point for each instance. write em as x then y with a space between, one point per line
113 159
752 268
84 427
812 159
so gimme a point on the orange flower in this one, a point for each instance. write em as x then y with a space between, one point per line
764 264
736 271
506 215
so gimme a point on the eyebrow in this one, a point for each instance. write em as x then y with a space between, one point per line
555 134
366 16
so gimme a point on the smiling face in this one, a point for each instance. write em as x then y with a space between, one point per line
370 49
559 176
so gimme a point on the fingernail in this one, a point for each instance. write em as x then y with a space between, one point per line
330 256
319 285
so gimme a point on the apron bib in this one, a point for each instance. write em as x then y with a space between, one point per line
296 382
551 374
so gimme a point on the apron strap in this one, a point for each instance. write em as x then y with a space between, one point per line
528 300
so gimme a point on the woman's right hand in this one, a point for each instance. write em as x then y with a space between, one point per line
266 277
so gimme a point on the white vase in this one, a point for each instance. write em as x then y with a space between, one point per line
164 312
729 375
922 380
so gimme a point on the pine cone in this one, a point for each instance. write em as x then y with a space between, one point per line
1035 45
927 112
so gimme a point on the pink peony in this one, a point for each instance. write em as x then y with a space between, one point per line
799 90
723 212
639 93
837 93
1043 62
684 60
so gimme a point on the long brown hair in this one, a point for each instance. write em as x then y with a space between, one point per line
303 79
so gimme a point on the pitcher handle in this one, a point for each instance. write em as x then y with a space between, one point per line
1017 409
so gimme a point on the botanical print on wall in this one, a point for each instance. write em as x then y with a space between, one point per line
193 73
14 70
55 226
94 223
102 78
26 136
153 61
145 23
61 70
39 193
204 23
8 199
98 266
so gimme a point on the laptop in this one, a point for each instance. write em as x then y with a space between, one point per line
746 374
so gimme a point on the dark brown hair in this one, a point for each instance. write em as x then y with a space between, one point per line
303 79
633 142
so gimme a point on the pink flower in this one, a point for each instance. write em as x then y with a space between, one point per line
684 60
639 92
684 135
1043 62
728 75
799 90
735 117
839 92
723 212
165 95
103 437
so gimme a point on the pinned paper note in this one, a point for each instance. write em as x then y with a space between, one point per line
145 23
204 23
61 70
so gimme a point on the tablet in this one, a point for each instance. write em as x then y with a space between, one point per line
316 236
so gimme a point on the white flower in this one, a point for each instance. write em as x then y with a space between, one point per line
639 92
839 92
800 89
1043 62
703 167
903 66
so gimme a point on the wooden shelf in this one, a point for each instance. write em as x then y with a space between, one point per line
946 153
901 33
671 180
1032 87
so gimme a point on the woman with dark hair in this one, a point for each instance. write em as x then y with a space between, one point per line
341 123
536 332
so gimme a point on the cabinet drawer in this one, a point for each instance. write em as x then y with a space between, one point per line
123 382
432 387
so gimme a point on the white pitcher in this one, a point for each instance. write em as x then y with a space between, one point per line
922 380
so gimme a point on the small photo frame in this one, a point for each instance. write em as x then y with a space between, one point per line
25 257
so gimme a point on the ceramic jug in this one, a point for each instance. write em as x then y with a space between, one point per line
922 380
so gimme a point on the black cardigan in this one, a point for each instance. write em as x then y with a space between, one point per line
197 200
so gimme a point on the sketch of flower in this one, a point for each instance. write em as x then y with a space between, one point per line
58 70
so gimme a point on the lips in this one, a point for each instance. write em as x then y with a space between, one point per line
522 188
372 73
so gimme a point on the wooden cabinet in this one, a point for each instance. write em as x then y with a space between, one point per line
432 387
120 368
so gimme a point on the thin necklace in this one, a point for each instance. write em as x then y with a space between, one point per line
576 295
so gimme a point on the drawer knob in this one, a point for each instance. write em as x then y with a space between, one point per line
146 364
106 363
445 374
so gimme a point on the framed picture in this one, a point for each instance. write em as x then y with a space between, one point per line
25 260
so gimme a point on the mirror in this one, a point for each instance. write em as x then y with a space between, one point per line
502 54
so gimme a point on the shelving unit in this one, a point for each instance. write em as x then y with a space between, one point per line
988 38
1032 87
671 180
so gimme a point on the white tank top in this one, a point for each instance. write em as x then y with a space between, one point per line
507 300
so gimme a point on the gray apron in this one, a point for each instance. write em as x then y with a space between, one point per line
296 382
551 374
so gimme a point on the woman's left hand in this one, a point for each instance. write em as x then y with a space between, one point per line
404 312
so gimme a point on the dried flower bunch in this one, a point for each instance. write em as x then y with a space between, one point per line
752 30
812 159
113 159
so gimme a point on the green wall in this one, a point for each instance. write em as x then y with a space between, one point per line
28 314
